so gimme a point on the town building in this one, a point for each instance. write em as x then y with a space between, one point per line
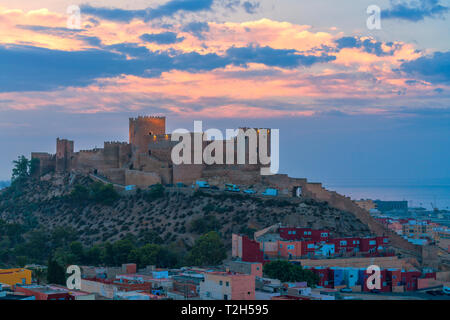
15 276
227 286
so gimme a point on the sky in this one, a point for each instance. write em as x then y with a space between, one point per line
353 104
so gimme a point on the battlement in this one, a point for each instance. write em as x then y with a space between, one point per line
95 150
147 118
115 143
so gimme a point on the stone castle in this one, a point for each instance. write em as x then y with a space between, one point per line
146 160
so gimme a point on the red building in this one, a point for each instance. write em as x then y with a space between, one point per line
409 279
43 292
324 276
246 249
292 233
394 277
346 245
384 285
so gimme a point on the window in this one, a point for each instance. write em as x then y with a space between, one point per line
372 242
289 232
324 234
290 247
281 246
310 246
225 297
228 284
343 243
294 232
221 282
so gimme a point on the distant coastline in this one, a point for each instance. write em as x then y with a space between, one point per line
416 195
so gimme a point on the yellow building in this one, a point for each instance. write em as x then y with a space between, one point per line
417 231
15 276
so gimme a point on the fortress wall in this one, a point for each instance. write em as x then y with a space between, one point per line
124 154
151 164
187 173
111 155
47 162
141 179
88 161
116 176
220 176
161 148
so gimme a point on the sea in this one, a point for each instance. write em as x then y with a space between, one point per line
426 196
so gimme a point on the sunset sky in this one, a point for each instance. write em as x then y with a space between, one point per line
352 104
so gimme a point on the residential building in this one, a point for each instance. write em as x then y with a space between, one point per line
227 286
15 276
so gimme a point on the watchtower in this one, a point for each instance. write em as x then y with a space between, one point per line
64 152
142 129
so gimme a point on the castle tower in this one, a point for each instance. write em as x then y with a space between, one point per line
142 129
64 152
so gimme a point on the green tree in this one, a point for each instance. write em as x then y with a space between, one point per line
55 272
79 193
289 272
122 250
146 255
77 250
108 254
150 236
34 166
93 256
206 224
156 191
63 236
207 250
21 169
104 193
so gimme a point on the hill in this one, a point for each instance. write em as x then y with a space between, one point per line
175 214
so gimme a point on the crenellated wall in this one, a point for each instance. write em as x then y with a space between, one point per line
47 162
141 179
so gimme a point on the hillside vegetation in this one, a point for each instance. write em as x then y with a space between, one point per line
99 214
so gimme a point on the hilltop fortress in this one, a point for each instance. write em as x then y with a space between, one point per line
146 160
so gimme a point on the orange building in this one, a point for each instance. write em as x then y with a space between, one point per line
227 286
290 249
15 276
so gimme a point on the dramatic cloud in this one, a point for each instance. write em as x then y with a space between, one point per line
197 29
416 10
215 69
165 10
274 57
30 68
251 7
162 38
434 68
64 32
367 45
